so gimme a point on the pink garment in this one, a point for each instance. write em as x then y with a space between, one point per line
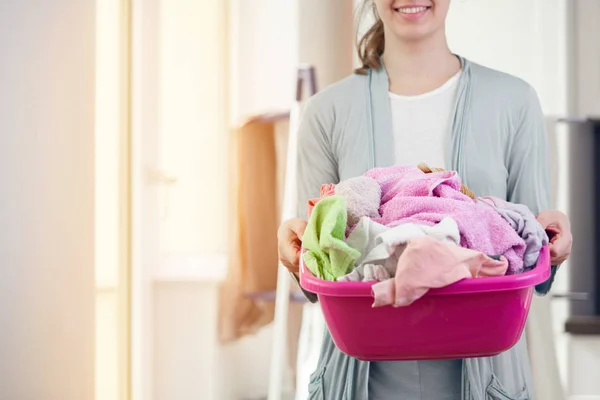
327 189
410 195
427 263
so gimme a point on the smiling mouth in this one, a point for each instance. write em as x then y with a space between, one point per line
411 10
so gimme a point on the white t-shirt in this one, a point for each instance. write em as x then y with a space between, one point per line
421 124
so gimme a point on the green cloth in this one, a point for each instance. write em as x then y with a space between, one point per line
328 256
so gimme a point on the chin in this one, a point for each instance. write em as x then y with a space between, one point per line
412 33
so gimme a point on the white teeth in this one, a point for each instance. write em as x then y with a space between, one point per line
411 10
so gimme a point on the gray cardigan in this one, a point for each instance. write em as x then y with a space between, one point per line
497 144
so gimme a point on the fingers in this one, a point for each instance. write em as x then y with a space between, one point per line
558 227
291 230
554 219
297 226
289 256
289 243
560 248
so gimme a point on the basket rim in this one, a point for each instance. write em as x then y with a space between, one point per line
539 274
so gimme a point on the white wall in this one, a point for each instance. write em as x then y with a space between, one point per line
263 55
586 57
326 38
526 39
46 154
270 38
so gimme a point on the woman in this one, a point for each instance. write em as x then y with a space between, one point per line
412 101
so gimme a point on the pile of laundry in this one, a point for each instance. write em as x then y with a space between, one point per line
410 229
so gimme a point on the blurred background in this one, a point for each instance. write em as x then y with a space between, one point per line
141 138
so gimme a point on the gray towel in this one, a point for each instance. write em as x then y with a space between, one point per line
524 223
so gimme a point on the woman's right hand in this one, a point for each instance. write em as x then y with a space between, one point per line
289 242
557 224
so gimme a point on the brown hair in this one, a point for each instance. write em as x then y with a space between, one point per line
370 46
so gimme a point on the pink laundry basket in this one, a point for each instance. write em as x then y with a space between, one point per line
472 318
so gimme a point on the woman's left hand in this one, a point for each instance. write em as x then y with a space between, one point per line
558 227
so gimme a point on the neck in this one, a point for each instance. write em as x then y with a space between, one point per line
416 67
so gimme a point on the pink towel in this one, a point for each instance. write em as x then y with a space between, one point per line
410 195
427 263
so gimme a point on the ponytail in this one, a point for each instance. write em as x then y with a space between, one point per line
370 47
